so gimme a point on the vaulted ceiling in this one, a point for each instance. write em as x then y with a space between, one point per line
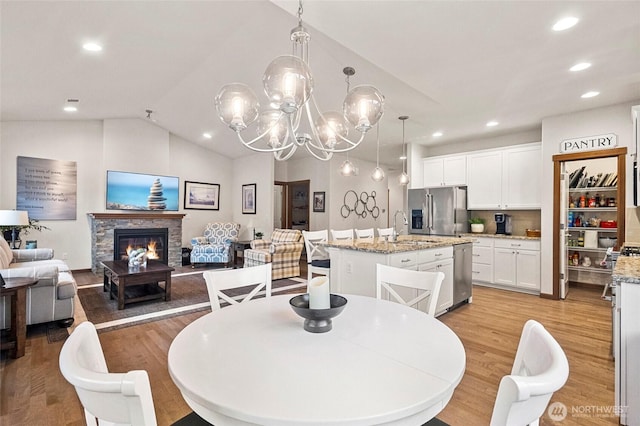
451 66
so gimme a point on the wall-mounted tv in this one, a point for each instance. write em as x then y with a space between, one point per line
137 191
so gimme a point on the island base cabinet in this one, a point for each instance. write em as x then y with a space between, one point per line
354 272
445 298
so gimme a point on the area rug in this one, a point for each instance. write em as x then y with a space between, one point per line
188 294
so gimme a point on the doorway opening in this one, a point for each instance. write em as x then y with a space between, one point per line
291 205
582 180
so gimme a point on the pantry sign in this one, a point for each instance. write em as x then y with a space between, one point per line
589 143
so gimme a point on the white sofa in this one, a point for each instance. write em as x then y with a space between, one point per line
52 298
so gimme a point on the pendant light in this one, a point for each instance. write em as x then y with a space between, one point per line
347 168
404 177
378 173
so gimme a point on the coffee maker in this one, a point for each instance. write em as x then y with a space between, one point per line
503 223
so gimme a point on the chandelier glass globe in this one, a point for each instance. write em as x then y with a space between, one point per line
237 106
274 126
288 83
347 168
330 127
363 107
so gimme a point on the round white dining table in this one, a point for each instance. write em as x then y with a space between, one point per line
253 364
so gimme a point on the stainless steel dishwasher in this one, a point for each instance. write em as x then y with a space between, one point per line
462 258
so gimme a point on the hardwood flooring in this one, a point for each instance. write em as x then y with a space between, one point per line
33 392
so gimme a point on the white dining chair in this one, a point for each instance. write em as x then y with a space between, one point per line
107 398
342 235
385 232
425 283
257 276
318 261
540 368
364 233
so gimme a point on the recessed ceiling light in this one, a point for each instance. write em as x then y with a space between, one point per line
580 66
92 47
565 23
207 135
437 134
70 108
492 123
590 94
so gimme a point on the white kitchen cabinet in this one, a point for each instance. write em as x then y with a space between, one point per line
445 171
482 264
505 179
354 271
484 180
517 264
445 298
522 173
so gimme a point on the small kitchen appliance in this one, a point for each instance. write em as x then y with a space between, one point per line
503 223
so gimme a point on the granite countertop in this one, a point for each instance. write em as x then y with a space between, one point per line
627 269
501 236
405 243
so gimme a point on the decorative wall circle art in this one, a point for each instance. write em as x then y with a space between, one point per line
362 205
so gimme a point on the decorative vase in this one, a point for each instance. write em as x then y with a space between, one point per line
477 227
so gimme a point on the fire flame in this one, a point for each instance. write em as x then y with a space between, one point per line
151 250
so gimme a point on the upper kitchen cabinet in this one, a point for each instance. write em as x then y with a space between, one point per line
444 171
505 179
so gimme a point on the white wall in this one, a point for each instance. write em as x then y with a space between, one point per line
132 145
79 141
361 183
259 169
613 119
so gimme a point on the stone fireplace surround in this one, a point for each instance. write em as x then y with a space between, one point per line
103 224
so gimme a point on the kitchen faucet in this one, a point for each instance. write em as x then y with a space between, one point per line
394 235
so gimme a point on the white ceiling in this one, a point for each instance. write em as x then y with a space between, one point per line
449 65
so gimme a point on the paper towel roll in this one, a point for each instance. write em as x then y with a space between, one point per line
591 239
319 293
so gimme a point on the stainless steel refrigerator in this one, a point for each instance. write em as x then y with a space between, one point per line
438 211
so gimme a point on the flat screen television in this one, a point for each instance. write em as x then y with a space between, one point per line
138 191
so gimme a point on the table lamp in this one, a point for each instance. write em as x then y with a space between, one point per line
14 218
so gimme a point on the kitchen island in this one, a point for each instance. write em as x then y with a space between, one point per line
353 263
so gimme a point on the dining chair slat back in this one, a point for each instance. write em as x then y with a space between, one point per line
385 232
342 235
257 276
317 257
426 283
364 233
107 398
540 368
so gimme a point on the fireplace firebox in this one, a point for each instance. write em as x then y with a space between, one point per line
153 240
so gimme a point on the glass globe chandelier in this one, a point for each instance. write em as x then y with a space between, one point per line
288 84
404 177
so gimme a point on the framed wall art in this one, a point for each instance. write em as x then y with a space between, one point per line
201 196
318 202
249 198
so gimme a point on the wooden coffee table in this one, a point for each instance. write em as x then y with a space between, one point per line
16 288
120 279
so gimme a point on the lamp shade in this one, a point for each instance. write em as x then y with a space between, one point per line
14 218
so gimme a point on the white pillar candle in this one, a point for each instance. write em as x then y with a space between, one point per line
319 293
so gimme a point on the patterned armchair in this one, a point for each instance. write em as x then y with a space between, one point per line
214 246
283 251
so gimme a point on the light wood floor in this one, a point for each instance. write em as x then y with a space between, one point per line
33 392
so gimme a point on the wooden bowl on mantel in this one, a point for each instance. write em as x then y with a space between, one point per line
533 233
